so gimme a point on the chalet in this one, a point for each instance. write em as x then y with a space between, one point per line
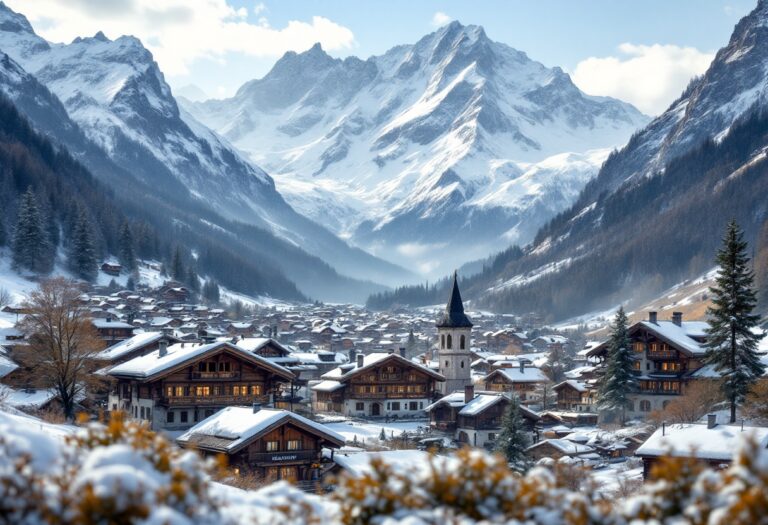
666 354
242 329
377 385
111 268
474 418
272 444
174 387
135 346
559 448
522 381
710 443
112 331
575 396
174 293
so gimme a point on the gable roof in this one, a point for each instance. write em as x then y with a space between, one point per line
151 365
516 375
699 441
131 344
345 372
233 428
454 316
564 446
681 337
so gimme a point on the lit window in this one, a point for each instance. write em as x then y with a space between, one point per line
273 446
293 444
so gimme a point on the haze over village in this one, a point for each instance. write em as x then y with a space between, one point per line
330 262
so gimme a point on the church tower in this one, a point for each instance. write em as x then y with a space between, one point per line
453 341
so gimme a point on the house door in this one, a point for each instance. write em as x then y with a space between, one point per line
375 409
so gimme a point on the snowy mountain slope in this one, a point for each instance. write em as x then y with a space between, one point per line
454 138
117 95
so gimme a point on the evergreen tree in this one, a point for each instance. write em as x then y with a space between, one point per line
192 280
82 253
127 254
31 248
177 265
211 291
731 340
3 235
130 283
513 440
617 380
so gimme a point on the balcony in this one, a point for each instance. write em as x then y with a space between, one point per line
662 354
659 391
390 395
211 400
283 456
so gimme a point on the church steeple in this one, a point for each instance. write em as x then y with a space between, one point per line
454 316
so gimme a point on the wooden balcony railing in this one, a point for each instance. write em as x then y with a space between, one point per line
390 395
211 400
214 375
662 354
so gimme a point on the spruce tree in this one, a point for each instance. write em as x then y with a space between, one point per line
130 284
31 247
192 280
177 266
513 440
81 258
731 337
3 235
127 254
617 379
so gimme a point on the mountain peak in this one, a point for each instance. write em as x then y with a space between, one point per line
12 21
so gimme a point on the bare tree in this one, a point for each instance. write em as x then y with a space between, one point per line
62 341
700 397
756 404
5 297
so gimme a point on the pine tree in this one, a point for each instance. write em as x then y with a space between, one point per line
617 380
731 341
130 284
513 440
211 291
31 247
3 235
177 266
127 254
192 280
82 253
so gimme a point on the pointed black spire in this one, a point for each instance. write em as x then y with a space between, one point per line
454 316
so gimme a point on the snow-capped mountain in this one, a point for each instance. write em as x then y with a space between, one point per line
455 139
116 94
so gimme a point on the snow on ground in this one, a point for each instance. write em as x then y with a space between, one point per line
372 430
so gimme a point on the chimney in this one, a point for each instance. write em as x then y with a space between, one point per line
360 360
352 353
711 420
391 351
469 393
402 351
109 319
663 428
163 347
522 366
677 318
256 407
652 317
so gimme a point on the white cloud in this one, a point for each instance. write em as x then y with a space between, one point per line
650 77
440 19
179 32
259 8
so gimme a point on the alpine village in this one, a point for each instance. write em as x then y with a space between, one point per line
446 284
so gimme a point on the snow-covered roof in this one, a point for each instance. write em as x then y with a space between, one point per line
327 386
697 440
454 399
518 375
153 364
680 336
104 323
480 403
580 386
232 428
123 347
402 461
6 365
26 398
344 372
564 446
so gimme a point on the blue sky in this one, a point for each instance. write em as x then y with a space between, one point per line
641 51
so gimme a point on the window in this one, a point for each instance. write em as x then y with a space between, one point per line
636 365
413 406
202 391
184 416
149 413
446 364
462 364
462 342
293 444
360 406
170 416
442 341
179 391
224 366
396 405
255 390
142 412
645 406
169 391
491 436
449 341
273 446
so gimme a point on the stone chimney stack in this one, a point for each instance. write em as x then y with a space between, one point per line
469 393
402 351
162 347
360 360
677 318
522 366
256 407
711 420
652 317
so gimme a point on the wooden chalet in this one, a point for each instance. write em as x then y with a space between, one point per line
377 385
135 346
522 381
474 418
177 386
112 331
111 268
575 396
666 354
272 444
